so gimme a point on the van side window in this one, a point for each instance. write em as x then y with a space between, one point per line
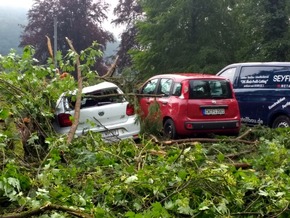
265 76
229 74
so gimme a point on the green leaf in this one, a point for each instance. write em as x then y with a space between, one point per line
221 157
4 113
222 207
263 193
182 174
131 179
14 182
130 214
204 208
169 205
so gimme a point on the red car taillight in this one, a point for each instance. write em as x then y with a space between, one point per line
130 110
64 120
185 89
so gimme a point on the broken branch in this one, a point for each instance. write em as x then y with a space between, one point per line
48 207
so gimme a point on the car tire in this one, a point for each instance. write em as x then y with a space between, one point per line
281 121
169 129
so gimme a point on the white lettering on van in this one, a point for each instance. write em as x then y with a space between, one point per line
254 86
286 105
281 78
276 103
249 120
259 81
262 77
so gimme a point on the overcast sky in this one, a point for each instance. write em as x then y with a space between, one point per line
28 3
17 3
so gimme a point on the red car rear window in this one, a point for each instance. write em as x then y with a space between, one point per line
209 89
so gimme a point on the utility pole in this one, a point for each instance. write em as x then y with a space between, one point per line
55 40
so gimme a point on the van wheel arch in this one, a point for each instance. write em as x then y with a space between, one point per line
281 121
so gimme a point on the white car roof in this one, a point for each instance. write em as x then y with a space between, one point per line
100 86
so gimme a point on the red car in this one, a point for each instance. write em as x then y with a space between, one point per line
192 103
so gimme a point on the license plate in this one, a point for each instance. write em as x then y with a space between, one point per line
213 111
110 133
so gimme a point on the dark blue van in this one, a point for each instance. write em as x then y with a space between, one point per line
263 92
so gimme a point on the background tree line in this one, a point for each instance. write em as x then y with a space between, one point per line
167 35
198 35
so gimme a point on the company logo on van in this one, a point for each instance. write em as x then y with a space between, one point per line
281 78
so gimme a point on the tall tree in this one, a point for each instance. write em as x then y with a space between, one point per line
185 35
128 13
198 35
265 30
79 20
276 30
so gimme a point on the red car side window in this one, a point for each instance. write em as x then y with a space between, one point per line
164 86
150 87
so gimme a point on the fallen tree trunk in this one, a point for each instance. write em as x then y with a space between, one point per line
48 207
205 140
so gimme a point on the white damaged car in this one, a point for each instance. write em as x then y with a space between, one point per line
104 109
